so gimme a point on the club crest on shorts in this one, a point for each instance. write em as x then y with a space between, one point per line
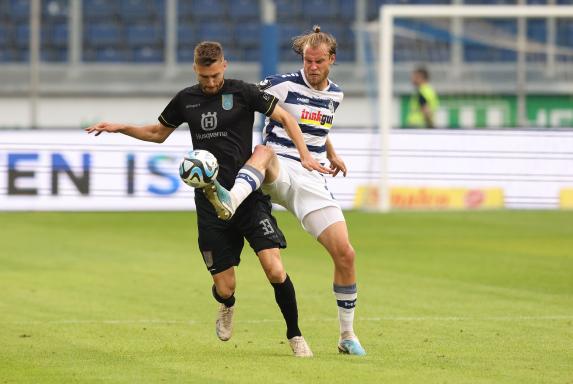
209 121
227 101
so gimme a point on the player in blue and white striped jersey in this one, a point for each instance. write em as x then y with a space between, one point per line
314 110
312 99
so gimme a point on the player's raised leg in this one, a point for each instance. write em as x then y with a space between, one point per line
224 292
261 166
330 228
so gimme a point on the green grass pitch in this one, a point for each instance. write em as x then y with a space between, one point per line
443 298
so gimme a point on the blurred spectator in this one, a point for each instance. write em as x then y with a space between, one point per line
424 102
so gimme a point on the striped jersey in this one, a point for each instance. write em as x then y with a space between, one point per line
313 109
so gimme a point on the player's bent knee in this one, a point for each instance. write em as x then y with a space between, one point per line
276 274
225 291
345 256
262 152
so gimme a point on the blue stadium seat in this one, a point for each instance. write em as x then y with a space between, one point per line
288 10
252 54
564 33
248 34
537 30
147 55
347 10
10 56
217 31
22 35
132 10
565 2
323 9
55 9
60 35
54 55
185 54
481 53
488 2
373 9
233 54
345 55
245 10
287 32
203 9
19 9
144 35
110 55
287 54
186 34
184 9
5 36
104 35
99 9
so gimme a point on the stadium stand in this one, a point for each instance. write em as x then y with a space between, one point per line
116 31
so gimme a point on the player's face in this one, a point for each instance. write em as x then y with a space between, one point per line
317 63
212 77
416 79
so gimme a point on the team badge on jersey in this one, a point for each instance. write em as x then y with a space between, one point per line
331 106
264 84
227 101
209 121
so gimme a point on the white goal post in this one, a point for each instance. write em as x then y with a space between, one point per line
388 15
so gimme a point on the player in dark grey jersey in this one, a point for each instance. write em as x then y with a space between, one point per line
220 114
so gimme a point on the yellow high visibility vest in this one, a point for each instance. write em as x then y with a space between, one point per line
415 115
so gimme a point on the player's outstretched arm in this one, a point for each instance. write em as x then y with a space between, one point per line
293 130
336 163
156 133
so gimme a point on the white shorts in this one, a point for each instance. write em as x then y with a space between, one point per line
301 191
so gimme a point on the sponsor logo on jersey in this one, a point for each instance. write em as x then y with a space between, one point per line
314 118
192 105
227 101
303 100
210 135
209 121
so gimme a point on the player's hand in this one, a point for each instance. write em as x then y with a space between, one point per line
337 165
103 127
312 165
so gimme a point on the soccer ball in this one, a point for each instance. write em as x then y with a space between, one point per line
198 168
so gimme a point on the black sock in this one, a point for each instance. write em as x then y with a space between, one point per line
229 301
286 299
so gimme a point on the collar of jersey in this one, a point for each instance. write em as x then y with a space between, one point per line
310 86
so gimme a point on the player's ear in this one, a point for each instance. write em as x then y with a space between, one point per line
195 67
332 58
225 64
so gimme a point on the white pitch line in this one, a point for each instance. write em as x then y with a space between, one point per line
323 320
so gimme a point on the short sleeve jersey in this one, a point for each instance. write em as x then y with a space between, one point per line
221 123
313 109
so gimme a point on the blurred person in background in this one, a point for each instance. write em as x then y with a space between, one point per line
312 98
220 114
423 103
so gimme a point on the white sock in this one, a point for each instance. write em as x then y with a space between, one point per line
248 179
346 301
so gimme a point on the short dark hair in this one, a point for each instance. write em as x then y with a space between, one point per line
314 39
208 52
424 72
